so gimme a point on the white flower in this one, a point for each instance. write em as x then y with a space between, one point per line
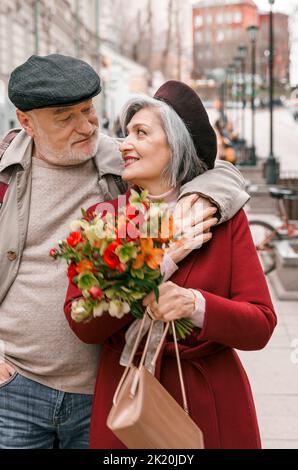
76 225
79 311
98 228
118 309
90 233
100 308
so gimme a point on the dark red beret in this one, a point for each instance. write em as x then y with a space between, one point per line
187 104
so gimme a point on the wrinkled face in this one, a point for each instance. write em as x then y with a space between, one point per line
145 150
63 136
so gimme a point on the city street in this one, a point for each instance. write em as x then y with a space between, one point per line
285 134
273 371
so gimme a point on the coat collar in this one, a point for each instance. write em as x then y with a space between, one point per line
18 152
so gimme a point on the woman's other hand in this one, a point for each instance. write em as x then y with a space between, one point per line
174 302
193 219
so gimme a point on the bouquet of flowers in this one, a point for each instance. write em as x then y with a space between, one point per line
115 259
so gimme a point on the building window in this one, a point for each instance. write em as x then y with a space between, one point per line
198 21
198 36
220 36
220 18
237 17
209 19
208 36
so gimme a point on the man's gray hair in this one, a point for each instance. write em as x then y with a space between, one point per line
185 164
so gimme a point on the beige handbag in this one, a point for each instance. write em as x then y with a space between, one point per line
144 415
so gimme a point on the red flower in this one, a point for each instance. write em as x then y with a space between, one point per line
110 257
71 272
74 238
96 293
53 253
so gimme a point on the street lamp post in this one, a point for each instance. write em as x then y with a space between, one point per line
230 71
242 51
229 84
271 173
222 96
252 32
237 62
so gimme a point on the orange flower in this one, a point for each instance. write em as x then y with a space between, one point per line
149 255
166 232
84 266
96 243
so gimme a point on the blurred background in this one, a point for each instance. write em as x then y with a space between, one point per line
242 59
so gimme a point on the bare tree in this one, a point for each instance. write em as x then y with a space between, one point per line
150 39
139 33
166 51
178 40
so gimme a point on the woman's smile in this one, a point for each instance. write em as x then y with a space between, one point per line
130 160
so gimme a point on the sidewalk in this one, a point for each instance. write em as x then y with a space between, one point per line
273 375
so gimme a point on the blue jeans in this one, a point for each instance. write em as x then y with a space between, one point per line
33 416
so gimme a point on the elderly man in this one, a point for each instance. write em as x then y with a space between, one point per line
57 164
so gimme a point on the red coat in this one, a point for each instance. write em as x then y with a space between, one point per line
239 314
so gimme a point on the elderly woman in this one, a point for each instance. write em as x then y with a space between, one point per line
220 286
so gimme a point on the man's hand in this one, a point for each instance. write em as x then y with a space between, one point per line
193 218
174 302
6 371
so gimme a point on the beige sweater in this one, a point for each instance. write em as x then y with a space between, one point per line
37 339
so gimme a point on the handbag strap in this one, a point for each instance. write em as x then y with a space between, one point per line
130 361
135 347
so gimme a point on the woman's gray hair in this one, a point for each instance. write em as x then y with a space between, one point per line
185 164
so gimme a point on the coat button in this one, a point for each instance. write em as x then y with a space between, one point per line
11 255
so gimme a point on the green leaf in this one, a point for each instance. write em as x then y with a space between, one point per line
137 295
86 281
84 213
137 309
153 274
156 292
126 252
139 273
111 293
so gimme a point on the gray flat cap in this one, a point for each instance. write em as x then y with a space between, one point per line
53 80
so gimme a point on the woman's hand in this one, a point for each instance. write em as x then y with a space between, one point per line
193 218
174 302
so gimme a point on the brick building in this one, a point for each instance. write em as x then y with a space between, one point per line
219 27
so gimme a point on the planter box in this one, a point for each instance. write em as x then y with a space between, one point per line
285 278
